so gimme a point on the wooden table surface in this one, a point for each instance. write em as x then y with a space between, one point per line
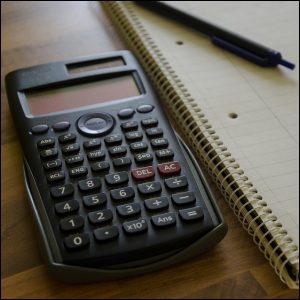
35 32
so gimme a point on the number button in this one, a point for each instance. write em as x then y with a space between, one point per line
101 216
66 207
123 194
95 200
71 224
135 227
77 241
116 179
106 234
89 184
62 191
129 210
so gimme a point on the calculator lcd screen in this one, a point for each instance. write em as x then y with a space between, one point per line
54 100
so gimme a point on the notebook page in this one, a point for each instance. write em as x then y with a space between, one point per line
254 110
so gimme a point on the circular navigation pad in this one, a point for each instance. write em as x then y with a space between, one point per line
95 124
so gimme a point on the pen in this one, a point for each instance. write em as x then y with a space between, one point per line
230 41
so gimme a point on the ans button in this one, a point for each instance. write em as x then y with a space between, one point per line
38 129
145 108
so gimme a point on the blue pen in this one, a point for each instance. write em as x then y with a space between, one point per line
230 41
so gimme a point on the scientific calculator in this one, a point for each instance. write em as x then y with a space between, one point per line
112 190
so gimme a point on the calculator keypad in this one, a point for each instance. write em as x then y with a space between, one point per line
107 189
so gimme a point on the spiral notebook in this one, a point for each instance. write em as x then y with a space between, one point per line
242 120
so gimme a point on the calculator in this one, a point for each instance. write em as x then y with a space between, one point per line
113 191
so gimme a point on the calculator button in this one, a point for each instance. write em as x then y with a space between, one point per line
100 167
117 178
154 132
92 144
133 136
62 191
151 188
95 124
77 241
101 216
122 194
122 162
157 204
38 129
67 138
143 158
78 171
48 142
135 227
138 147
52 165
71 224
61 126
185 198
170 168
129 210
89 184
56 177
191 214
145 108
165 220
159 143
150 122
117 151
106 234
74 160
164 154
113 140
95 155
176 183
143 173
131 125
72 148
126 113
49 153
95 200
67 207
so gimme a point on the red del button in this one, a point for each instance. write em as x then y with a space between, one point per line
143 173
170 168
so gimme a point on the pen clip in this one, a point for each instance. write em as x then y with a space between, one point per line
263 62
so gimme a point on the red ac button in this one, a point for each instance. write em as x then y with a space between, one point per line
170 168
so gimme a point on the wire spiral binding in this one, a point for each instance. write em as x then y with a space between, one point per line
243 199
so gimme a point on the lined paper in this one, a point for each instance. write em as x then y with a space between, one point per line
264 138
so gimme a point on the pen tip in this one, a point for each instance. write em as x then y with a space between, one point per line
287 64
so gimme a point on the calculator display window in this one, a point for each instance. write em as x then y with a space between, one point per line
59 99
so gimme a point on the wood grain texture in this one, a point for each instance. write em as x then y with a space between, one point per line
35 32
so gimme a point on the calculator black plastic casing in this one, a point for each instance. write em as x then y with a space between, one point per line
143 253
